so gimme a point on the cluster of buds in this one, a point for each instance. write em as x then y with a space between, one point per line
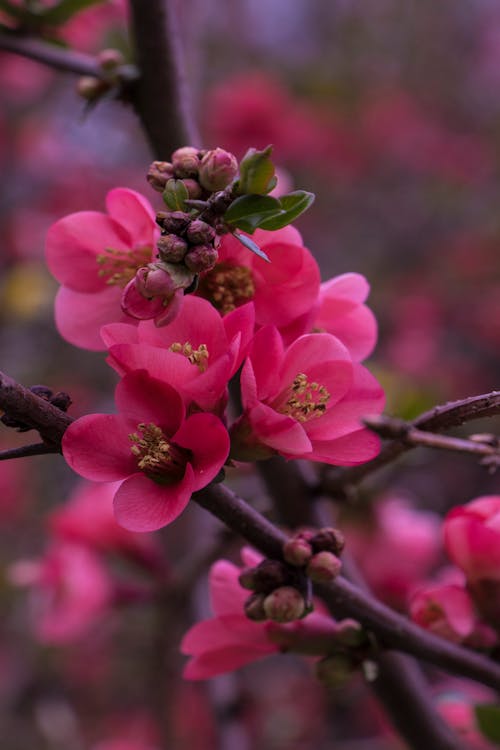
201 172
187 241
279 592
317 552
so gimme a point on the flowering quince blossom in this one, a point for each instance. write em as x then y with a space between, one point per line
94 256
71 591
305 401
230 640
161 456
197 353
283 290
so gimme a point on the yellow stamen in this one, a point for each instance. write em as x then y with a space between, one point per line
228 287
156 457
198 357
305 400
120 266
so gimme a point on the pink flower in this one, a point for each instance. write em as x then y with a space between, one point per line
198 352
71 591
444 609
94 256
161 456
283 290
306 401
472 538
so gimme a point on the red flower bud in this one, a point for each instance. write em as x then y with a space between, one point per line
323 567
159 173
284 604
201 258
186 161
172 248
297 551
217 169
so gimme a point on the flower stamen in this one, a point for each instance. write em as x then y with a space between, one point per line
227 287
198 357
160 460
305 400
120 266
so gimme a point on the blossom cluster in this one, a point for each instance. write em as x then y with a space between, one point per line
298 343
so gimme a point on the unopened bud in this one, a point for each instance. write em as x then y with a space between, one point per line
90 88
284 604
159 173
193 187
173 222
334 670
297 551
154 281
246 578
217 169
172 248
109 59
329 539
186 161
323 567
200 233
269 575
254 608
350 633
201 258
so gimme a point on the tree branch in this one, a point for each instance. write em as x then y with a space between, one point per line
440 418
35 449
159 95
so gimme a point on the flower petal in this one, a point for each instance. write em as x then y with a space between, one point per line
208 439
97 447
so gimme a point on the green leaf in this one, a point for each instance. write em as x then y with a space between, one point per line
292 205
175 194
249 211
250 244
488 719
65 10
256 172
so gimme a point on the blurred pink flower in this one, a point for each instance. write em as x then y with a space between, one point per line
94 255
306 401
161 456
472 538
444 609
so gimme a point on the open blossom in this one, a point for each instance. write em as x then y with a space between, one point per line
94 256
283 290
444 609
306 401
229 640
161 456
197 353
70 591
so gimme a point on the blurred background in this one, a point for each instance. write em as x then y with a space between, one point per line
390 113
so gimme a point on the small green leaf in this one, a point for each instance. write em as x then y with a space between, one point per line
250 244
292 205
65 10
488 719
175 194
249 211
256 172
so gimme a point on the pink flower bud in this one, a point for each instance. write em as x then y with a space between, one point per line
110 59
159 173
200 233
193 187
172 248
154 281
254 608
173 222
269 575
297 551
186 161
201 258
217 169
323 567
329 539
284 604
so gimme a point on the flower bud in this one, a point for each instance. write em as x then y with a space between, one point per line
186 161
110 59
173 222
201 258
297 551
217 169
172 248
154 281
323 567
269 575
350 633
90 88
334 670
200 233
193 187
246 578
254 608
329 539
158 175
284 604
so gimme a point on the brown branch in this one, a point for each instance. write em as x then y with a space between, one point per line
21 404
62 59
159 95
346 600
35 449
440 418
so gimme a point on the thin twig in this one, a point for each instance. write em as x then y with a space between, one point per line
35 449
440 418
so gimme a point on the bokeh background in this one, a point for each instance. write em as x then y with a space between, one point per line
390 113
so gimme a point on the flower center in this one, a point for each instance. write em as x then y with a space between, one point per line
198 357
228 287
120 266
160 460
304 400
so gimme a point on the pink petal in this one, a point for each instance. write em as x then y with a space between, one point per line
349 450
97 447
80 316
120 333
134 213
142 398
208 439
240 321
226 595
143 505
211 664
357 331
351 287
266 354
162 364
73 244
278 431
